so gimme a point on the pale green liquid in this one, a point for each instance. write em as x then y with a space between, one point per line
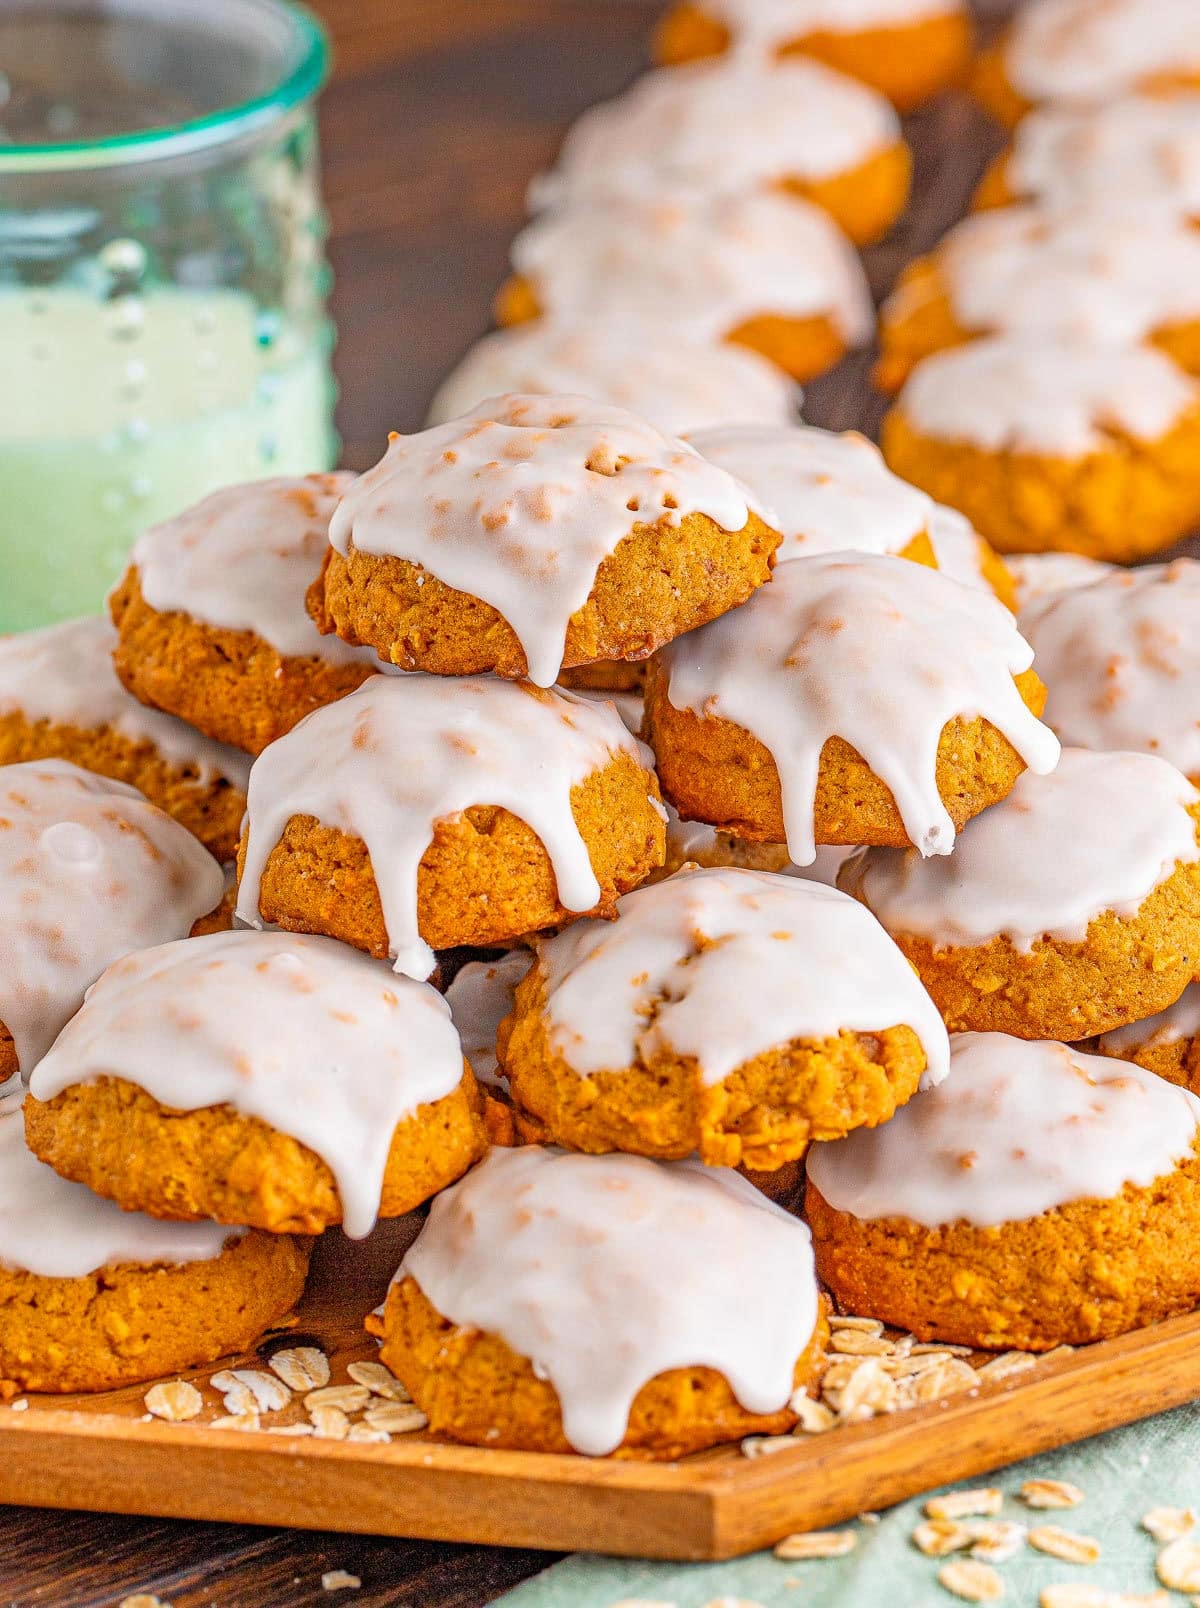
115 415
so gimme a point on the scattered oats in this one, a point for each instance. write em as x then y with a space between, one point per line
175 1400
1178 1566
236 1421
1065 1544
1169 1524
380 1381
847 1321
936 1538
143 1599
868 1518
972 1581
268 1393
931 1348
329 1422
301 1367
1057 1354
815 1418
364 1432
1050 1494
1073 1594
948 1379
869 1390
982 1502
857 1343
348 1397
290 1429
766 1445
996 1540
816 1544
238 1397
339 1580
1008 1362
399 1417
19 1406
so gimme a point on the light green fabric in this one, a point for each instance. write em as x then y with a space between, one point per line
1123 1474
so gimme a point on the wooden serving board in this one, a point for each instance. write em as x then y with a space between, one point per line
98 1453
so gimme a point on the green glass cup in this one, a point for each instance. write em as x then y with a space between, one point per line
163 284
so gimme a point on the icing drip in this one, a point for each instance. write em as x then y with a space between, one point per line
480 997
89 870
1044 862
695 266
765 25
59 1230
402 753
243 558
520 502
828 492
872 649
318 1041
1077 50
1017 1129
677 387
1178 1021
1059 399
1122 661
1090 275
722 966
1043 575
656 1250
796 119
1144 149
958 547
64 674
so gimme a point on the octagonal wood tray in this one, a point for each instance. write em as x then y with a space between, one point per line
98 1453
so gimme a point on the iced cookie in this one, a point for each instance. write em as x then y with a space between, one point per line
857 699
1105 277
963 554
424 812
1038 1197
1121 657
906 49
741 124
60 699
1069 909
536 533
1095 450
645 1351
89 870
763 270
211 613
284 1082
92 1297
675 387
1037 576
732 1014
1078 53
1167 1044
1140 148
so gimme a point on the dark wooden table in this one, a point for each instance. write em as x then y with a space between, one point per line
440 112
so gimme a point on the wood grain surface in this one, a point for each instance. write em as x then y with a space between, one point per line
440 112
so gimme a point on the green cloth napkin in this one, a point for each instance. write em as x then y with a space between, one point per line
1123 1475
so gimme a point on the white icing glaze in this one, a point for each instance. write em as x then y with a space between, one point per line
828 492
875 650
243 558
1017 1129
695 266
60 1230
672 1265
1041 575
89 870
402 753
1091 275
1098 834
1061 399
958 547
521 500
1121 658
724 965
1178 1021
696 843
676 386
63 674
480 997
765 25
1096 50
794 119
315 1039
1144 149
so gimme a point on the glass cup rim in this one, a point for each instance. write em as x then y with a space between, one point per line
299 84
